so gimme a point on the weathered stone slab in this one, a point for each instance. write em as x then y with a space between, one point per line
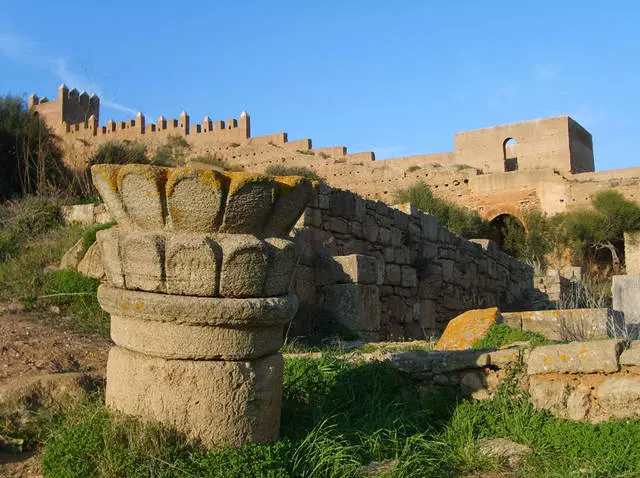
143 261
569 324
466 329
214 403
187 214
577 357
292 194
548 394
626 297
142 190
282 258
632 252
244 266
249 202
109 240
352 268
73 256
426 364
631 356
91 264
620 396
192 265
355 306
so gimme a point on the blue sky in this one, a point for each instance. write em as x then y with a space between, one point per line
398 77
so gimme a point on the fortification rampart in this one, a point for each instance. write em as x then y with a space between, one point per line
545 163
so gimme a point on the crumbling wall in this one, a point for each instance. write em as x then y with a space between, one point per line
422 274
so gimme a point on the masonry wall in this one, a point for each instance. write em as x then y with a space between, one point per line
427 274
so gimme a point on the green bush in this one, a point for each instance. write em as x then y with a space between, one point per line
457 219
173 152
26 219
216 162
30 156
500 335
280 170
120 152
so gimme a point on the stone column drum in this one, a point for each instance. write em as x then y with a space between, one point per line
199 271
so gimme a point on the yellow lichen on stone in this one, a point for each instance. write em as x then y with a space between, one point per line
465 330
286 184
108 173
209 178
240 179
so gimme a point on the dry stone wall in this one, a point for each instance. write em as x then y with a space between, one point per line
394 271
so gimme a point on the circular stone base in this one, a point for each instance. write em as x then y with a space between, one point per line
213 403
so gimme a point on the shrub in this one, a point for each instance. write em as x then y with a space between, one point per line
173 152
413 168
25 219
218 163
457 219
279 170
30 156
120 152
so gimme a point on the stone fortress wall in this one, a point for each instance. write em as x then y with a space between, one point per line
545 163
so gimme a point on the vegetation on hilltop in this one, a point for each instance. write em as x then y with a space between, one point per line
280 170
458 219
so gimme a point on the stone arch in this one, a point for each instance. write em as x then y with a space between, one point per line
509 154
502 223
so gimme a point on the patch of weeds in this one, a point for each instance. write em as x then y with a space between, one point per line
413 168
89 236
305 151
280 170
216 162
460 167
500 335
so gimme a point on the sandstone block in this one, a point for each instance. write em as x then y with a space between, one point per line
631 356
192 265
466 329
244 266
620 396
429 227
359 269
73 256
626 297
577 357
426 364
214 403
188 215
105 179
578 404
91 264
393 274
548 394
249 202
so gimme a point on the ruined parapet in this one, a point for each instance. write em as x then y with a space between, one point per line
199 272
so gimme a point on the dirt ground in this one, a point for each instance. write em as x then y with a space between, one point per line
31 346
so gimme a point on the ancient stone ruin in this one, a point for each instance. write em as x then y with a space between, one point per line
198 277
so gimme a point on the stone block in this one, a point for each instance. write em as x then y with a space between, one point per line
192 265
91 264
339 225
212 402
631 356
512 319
370 228
429 227
304 284
355 306
73 256
409 277
626 297
578 357
427 364
244 266
393 274
620 396
105 179
360 269
249 203
465 330
187 215
547 394
384 236
570 324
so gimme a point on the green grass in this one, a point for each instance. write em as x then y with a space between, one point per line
89 236
337 417
500 335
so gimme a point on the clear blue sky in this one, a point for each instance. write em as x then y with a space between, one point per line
398 77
